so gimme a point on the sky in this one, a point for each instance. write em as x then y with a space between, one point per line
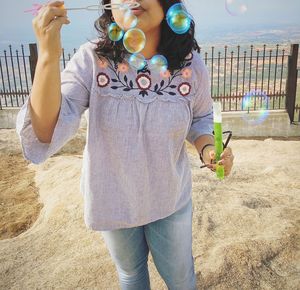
16 26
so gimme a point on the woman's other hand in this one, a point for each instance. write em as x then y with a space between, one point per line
226 160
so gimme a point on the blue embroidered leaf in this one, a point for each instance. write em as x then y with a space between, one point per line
125 78
126 90
156 87
160 93
171 93
172 86
114 87
114 80
131 84
162 83
144 70
143 93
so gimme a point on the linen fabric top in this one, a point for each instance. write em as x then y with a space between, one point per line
135 165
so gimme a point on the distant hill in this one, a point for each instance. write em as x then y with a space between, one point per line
246 35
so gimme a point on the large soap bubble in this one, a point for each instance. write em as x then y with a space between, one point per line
129 20
115 33
178 18
137 61
256 106
236 7
134 40
158 63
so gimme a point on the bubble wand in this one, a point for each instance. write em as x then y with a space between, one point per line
125 5
218 138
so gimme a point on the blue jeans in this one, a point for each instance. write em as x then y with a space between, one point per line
170 242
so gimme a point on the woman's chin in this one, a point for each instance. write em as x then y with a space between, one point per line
138 26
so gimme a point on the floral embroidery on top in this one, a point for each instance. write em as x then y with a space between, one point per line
189 56
165 74
102 63
184 89
123 67
103 80
187 73
143 81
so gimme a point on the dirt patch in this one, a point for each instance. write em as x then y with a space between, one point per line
246 228
19 197
19 202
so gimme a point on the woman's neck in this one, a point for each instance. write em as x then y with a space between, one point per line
152 42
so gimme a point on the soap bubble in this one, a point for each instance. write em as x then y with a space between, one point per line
178 18
115 33
158 63
256 105
129 20
134 40
137 61
236 7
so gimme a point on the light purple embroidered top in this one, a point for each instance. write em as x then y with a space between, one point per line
135 164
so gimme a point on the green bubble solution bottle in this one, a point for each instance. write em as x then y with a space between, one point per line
218 137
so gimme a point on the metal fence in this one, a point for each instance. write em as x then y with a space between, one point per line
267 75
17 73
297 103
236 73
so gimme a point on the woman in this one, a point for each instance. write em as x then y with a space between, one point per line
136 178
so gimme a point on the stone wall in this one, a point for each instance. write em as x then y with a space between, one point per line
242 124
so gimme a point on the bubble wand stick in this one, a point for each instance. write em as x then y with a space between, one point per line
218 138
125 5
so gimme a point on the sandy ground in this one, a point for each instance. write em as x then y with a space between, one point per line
246 229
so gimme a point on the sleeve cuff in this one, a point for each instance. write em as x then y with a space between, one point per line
200 126
32 148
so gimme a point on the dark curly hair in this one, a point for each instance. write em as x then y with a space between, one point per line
175 47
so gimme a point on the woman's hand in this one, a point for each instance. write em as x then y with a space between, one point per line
47 25
226 160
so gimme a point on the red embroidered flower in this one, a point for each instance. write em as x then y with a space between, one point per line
102 63
184 89
186 73
189 56
143 82
103 80
165 74
122 67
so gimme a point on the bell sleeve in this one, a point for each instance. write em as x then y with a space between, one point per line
76 81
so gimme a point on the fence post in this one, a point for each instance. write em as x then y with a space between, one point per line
33 59
291 83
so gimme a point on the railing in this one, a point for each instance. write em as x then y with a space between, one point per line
235 73
17 74
297 105
10 88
